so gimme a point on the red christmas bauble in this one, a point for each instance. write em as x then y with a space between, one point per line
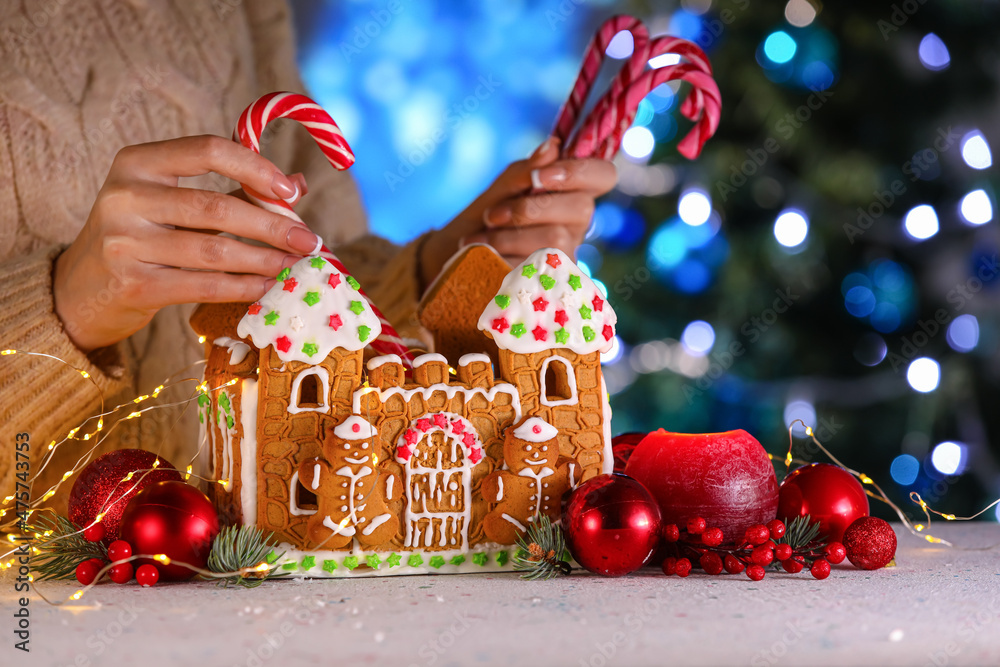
623 445
827 493
174 519
870 543
97 487
612 524
725 478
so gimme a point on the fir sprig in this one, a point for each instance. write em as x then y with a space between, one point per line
61 547
803 534
541 551
242 549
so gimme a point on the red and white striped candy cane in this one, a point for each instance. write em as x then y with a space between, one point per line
331 141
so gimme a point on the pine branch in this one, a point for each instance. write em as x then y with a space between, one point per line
540 553
803 534
242 549
63 548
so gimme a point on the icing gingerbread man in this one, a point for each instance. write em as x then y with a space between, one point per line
351 490
533 481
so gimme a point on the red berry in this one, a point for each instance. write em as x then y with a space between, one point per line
671 533
792 566
683 567
696 525
712 537
669 566
147 575
777 529
783 551
121 573
711 563
95 532
820 568
733 564
87 571
119 550
755 572
762 555
757 534
836 553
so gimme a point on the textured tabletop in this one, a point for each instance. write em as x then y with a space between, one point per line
938 606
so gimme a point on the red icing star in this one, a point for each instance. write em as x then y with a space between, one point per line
440 421
608 332
336 322
290 284
410 437
476 455
598 302
553 260
404 453
561 318
253 309
469 440
424 425
334 280
501 324
539 333
283 344
540 304
457 427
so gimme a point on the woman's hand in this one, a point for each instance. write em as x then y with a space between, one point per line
535 203
144 244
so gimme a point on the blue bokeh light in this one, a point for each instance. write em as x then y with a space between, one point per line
779 47
904 469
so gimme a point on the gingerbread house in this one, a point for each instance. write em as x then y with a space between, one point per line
368 468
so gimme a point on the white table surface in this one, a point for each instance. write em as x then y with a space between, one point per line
938 606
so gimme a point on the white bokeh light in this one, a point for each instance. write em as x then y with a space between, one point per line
638 142
924 374
791 228
976 151
800 13
948 458
921 222
800 409
614 353
663 60
933 53
976 208
621 45
694 207
963 333
698 338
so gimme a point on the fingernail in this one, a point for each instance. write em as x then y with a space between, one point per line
300 181
544 147
551 175
282 186
269 283
290 261
295 196
536 181
498 215
301 239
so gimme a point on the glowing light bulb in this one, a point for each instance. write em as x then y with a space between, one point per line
694 207
976 208
638 142
921 222
976 151
698 338
791 228
924 374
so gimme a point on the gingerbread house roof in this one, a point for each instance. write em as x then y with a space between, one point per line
312 309
548 302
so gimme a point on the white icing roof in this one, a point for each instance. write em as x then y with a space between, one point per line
375 362
355 428
430 356
472 357
312 309
535 429
548 302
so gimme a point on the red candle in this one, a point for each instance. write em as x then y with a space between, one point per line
726 478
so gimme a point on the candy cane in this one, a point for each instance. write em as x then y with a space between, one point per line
331 141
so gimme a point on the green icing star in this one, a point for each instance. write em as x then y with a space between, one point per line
353 282
517 330
502 300
329 565
284 274
317 262
373 561
310 349
364 332
574 282
308 563
585 312
480 559
201 417
457 560
502 558
588 334
356 307
351 562
202 400
312 298
290 566
414 560
548 282
436 562
271 557
224 401
230 422
393 560
529 270
271 318
562 336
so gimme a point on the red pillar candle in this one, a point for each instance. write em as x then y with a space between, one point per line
726 478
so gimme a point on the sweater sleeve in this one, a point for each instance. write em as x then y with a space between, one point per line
41 396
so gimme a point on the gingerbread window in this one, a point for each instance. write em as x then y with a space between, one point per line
301 501
558 382
310 389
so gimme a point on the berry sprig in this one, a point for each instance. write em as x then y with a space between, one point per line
762 545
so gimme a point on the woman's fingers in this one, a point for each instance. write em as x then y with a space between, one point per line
572 209
163 286
592 175
193 250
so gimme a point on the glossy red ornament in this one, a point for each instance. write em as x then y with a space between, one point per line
612 524
623 445
827 493
175 519
147 575
121 573
725 478
870 543
97 486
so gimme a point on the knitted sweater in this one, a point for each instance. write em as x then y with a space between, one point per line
78 81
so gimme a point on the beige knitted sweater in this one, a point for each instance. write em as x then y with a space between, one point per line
79 80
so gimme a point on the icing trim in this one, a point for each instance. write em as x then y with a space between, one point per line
324 381
293 506
449 390
517 524
608 464
570 380
430 356
375 362
473 357
355 428
238 350
248 452
536 429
